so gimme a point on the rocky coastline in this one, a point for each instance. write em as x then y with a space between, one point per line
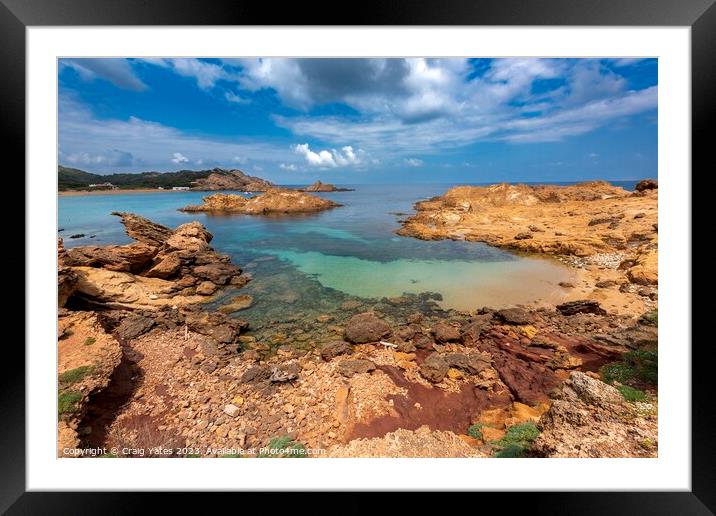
112 294
377 379
610 235
273 201
152 353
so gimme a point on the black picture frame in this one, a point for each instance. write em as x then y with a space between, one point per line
700 15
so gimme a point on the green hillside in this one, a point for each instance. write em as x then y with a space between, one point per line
75 179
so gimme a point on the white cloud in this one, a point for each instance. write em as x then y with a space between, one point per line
593 155
179 158
283 75
414 162
590 80
235 99
117 71
329 158
387 135
150 143
403 107
290 166
581 119
413 89
205 73
114 157
627 61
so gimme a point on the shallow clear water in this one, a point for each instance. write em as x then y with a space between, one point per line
316 261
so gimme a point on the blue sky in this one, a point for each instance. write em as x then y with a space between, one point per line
363 120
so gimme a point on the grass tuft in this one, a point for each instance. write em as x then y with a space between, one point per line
650 318
284 447
475 431
631 394
636 366
89 341
512 451
517 441
67 402
75 375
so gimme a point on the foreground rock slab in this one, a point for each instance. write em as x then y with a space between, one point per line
589 418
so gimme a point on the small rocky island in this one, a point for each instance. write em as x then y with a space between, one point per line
235 179
318 186
275 200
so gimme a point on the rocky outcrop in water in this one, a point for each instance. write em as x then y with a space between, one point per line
318 186
147 288
605 232
234 179
274 201
164 267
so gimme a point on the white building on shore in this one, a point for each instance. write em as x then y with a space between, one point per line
106 185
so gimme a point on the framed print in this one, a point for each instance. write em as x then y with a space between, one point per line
425 250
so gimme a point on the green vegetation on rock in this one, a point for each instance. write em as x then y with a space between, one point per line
516 441
74 375
67 402
89 341
284 447
512 451
636 366
650 318
475 431
631 394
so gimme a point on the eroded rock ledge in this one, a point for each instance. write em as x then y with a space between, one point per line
162 268
276 200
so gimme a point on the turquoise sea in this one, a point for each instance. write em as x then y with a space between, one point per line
315 262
